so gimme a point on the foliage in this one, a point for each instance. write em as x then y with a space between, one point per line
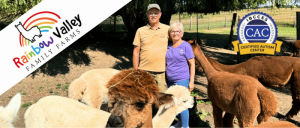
25 105
12 9
64 88
203 114
41 89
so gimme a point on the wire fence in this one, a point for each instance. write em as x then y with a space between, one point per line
284 18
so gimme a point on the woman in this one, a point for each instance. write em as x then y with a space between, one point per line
180 68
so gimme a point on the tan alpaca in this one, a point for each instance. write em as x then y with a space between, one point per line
271 71
238 95
90 87
167 112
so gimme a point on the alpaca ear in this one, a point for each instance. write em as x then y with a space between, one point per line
173 103
164 98
195 40
14 105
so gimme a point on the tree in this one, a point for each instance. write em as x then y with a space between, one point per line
12 9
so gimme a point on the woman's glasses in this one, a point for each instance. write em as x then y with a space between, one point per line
175 32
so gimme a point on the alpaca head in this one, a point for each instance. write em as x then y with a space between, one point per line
196 49
182 98
18 25
8 114
133 95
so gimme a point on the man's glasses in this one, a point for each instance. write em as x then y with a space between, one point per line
175 32
152 13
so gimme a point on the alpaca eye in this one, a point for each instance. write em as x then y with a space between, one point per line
140 105
184 101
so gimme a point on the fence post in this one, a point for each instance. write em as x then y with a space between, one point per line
209 23
191 23
231 31
225 21
197 27
295 22
239 19
298 25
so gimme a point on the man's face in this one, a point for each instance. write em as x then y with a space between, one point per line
153 15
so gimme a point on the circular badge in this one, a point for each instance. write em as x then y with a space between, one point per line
257 27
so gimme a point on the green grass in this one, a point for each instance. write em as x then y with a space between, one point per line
41 89
50 90
24 93
25 105
64 88
9 96
58 86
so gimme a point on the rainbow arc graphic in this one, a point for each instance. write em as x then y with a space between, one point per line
42 22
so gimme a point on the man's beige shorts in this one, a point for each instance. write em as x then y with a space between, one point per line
160 80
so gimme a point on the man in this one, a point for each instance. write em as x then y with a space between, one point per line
150 47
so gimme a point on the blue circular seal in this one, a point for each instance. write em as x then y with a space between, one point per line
257 27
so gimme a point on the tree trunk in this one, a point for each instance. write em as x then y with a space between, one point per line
167 7
136 18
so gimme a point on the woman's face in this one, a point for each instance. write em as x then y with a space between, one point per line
176 33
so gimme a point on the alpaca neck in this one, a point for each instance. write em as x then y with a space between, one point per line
221 67
207 67
164 117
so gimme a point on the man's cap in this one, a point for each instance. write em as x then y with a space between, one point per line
153 6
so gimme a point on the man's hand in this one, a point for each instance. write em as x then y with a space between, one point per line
136 57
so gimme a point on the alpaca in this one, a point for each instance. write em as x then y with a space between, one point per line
167 112
277 124
90 88
57 111
9 113
29 34
132 93
296 48
238 95
262 69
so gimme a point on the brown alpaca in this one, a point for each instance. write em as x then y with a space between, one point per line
271 71
132 93
238 95
277 124
296 48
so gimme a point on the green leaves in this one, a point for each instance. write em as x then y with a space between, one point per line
12 9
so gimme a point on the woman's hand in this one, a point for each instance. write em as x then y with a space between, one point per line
191 87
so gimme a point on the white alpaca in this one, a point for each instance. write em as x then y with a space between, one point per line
9 113
90 87
29 34
167 112
57 111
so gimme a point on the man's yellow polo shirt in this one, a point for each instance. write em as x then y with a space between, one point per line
153 45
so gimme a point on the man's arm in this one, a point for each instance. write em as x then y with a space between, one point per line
136 57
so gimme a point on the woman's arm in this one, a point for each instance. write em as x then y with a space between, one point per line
192 73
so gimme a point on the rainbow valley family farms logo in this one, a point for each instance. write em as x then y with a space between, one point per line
257 33
38 25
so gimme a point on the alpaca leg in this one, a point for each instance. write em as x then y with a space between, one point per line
217 112
228 120
295 89
262 118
